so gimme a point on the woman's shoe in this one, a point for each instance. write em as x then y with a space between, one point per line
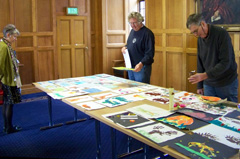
12 129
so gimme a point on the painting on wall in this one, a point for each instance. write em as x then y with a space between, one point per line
220 12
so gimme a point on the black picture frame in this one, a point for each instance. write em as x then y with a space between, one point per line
224 13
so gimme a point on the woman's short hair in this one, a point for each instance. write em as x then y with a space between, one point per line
11 29
194 19
137 16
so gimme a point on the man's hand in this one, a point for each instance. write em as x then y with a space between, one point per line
138 67
123 49
197 78
200 91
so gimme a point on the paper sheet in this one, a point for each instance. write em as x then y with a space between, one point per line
127 59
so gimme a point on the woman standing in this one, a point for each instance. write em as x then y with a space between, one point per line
9 76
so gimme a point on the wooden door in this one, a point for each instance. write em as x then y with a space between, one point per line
72 46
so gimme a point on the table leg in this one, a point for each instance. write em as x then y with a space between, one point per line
50 125
98 139
146 151
114 147
75 120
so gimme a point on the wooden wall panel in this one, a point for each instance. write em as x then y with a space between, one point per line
82 6
174 14
65 32
174 40
45 41
80 54
65 61
24 41
191 41
79 30
45 16
23 15
27 70
154 17
191 66
174 70
45 65
96 36
61 7
158 69
115 9
4 13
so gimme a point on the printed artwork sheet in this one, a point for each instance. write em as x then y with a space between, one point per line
227 123
182 121
210 109
90 105
195 146
79 99
127 59
198 114
149 111
158 133
219 134
113 101
127 119
104 95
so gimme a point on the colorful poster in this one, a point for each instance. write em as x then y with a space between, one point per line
79 99
90 105
210 109
227 123
195 146
149 111
127 119
159 133
104 95
198 114
113 101
219 134
183 122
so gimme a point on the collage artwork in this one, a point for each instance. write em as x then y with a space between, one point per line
195 128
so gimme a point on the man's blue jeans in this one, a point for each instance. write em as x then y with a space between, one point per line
230 91
141 76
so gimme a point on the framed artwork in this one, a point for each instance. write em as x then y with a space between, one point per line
224 13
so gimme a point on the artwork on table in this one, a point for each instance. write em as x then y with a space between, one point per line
159 133
127 119
228 123
148 87
234 114
195 146
149 111
182 121
123 91
90 105
93 90
133 97
66 94
210 109
79 99
219 134
198 114
113 101
104 95
161 100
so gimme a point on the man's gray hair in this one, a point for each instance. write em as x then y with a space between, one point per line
194 19
11 29
137 16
